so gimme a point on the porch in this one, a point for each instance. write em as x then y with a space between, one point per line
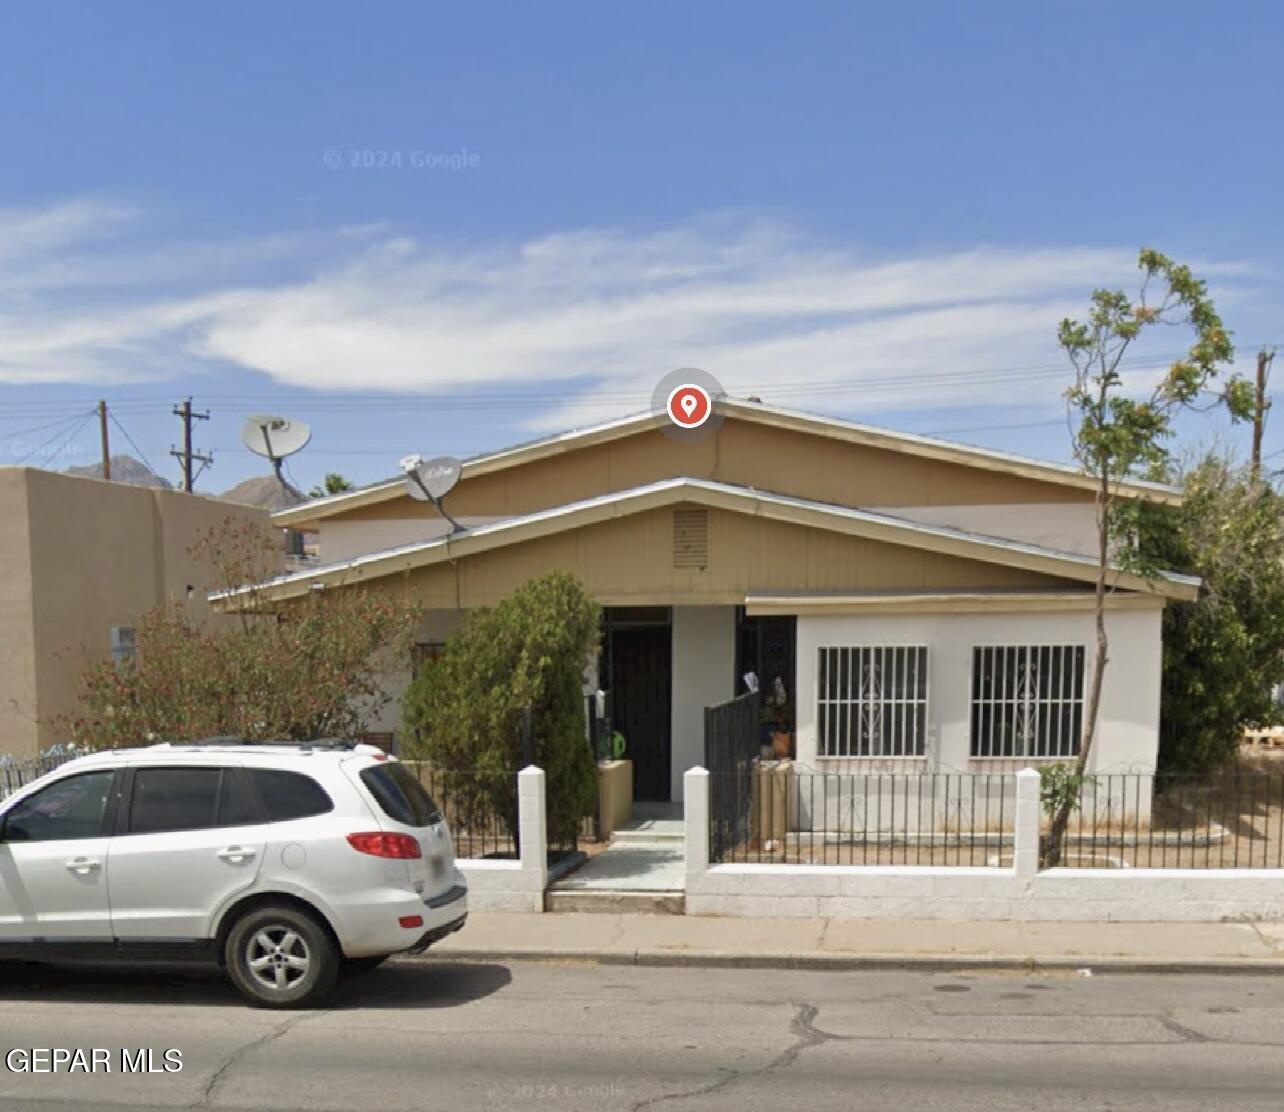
661 666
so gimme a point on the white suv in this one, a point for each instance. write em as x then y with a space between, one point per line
283 862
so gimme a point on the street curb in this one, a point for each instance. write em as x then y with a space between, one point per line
857 963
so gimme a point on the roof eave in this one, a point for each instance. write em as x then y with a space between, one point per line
715 495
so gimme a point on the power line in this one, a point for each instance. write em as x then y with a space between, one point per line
376 400
994 428
19 433
68 438
124 432
82 417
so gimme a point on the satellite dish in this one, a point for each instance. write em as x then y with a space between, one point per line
274 438
431 480
437 478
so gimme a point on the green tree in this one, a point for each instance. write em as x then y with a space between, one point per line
334 483
1224 651
306 669
464 711
1118 434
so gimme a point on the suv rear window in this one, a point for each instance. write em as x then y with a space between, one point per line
290 795
400 795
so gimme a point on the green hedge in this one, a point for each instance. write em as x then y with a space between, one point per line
464 710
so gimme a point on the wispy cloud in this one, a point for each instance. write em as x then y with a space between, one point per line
756 303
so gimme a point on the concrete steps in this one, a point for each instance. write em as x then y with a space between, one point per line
615 901
648 837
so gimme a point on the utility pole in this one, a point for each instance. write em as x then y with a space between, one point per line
1260 406
102 432
187 456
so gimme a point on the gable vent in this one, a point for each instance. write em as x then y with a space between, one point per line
691 539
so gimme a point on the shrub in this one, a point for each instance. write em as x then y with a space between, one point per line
1224 651
303 670
465 709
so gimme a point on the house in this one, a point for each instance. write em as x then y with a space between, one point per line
919 605
83 559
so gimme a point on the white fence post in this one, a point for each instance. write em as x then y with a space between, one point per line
1025 853
695 817
532 822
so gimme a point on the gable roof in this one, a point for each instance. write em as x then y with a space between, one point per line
704 492
834 428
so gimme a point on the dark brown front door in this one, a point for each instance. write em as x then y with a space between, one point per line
641 660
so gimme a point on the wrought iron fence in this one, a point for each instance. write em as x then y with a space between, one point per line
732 733
1233 820
479 807
18 772
813 818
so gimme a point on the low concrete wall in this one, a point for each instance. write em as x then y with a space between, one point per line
1021 892
500 886
1135 895
515 885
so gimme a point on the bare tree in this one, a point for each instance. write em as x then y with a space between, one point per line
1117 435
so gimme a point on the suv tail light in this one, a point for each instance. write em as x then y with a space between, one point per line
379 844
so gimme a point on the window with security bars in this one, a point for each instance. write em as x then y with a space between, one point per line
1027 700
872 701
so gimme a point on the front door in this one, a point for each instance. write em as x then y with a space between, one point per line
53 862
641 660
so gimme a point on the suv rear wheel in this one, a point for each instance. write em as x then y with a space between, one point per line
281 957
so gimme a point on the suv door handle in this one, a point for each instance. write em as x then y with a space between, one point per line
236 854
83 866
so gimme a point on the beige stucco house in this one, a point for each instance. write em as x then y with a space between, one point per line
921 605
82 559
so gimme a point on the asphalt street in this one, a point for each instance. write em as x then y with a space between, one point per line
546 1036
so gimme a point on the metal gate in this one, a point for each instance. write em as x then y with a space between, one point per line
732 741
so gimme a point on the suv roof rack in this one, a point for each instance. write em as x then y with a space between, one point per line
232 739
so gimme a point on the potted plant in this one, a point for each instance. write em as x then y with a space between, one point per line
776 719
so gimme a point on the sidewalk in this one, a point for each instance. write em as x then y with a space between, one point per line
839 944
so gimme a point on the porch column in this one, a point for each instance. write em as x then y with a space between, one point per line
704 663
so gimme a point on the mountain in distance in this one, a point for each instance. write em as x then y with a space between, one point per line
124 469
264 491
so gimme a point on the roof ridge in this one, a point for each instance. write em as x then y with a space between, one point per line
890 438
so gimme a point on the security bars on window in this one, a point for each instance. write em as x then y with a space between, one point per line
1027 700
872 701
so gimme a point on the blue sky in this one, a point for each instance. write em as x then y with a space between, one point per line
447 228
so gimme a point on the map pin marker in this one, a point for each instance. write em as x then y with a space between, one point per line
688 403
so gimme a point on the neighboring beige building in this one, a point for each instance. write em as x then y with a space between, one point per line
82 560
924 605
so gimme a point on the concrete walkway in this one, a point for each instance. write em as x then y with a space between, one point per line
865 944
646 855
629 867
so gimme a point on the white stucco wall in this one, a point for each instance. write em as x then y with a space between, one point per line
437 626
1128 726
704 658
1066 526
1057 895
